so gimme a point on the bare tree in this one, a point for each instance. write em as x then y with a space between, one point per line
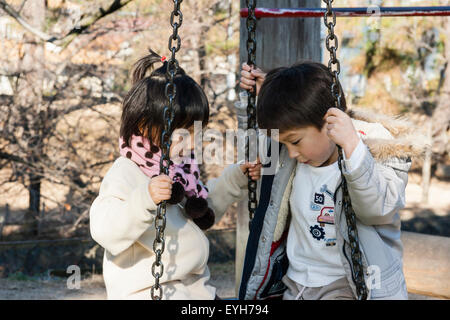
30 105
66 137
417 94
32 143
441 115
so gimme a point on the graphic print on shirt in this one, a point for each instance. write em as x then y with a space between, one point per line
326 216
330 242
319 198
317 232
324 188
315 207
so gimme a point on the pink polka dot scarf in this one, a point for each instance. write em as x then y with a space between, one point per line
147 158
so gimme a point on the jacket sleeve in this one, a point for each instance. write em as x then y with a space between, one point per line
377 190
229 187
121 213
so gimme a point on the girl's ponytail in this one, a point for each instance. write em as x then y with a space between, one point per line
145 64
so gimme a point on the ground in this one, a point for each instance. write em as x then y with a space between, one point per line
92 286
431 218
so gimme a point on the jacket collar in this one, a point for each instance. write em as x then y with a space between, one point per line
388 137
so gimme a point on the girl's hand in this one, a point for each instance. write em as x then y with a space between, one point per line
160 188
253 169
340 129
250 77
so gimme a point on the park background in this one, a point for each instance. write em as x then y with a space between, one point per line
60 106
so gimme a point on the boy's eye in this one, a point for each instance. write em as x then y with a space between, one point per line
296 142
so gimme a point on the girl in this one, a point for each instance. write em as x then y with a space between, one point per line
122 216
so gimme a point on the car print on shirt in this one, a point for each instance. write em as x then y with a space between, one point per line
326 216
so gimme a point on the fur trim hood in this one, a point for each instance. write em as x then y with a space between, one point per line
388 137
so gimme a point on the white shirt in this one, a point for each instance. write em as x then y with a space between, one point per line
314 258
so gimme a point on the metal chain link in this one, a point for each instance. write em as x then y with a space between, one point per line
335 68
251 106
166 141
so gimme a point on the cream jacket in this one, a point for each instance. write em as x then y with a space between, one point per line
122 222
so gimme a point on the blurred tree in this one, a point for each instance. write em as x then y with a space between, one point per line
65 140
31 115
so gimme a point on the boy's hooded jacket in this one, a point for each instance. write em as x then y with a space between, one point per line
377 192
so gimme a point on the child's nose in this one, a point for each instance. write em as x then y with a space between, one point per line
293 154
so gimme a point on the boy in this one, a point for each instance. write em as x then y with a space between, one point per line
298 246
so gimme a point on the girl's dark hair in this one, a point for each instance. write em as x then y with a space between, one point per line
143 105
296 97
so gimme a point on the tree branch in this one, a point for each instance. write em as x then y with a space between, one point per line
14 14
11 157
91 19
65 40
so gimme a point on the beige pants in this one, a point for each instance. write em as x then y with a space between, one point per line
337 290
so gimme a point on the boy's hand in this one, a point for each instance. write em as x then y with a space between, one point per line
250 77
253 169
340 129
160 188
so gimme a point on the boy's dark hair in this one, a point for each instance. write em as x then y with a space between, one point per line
296 97
143 106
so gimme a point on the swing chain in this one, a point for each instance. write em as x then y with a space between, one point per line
251 106
166 141
334 67
251 28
